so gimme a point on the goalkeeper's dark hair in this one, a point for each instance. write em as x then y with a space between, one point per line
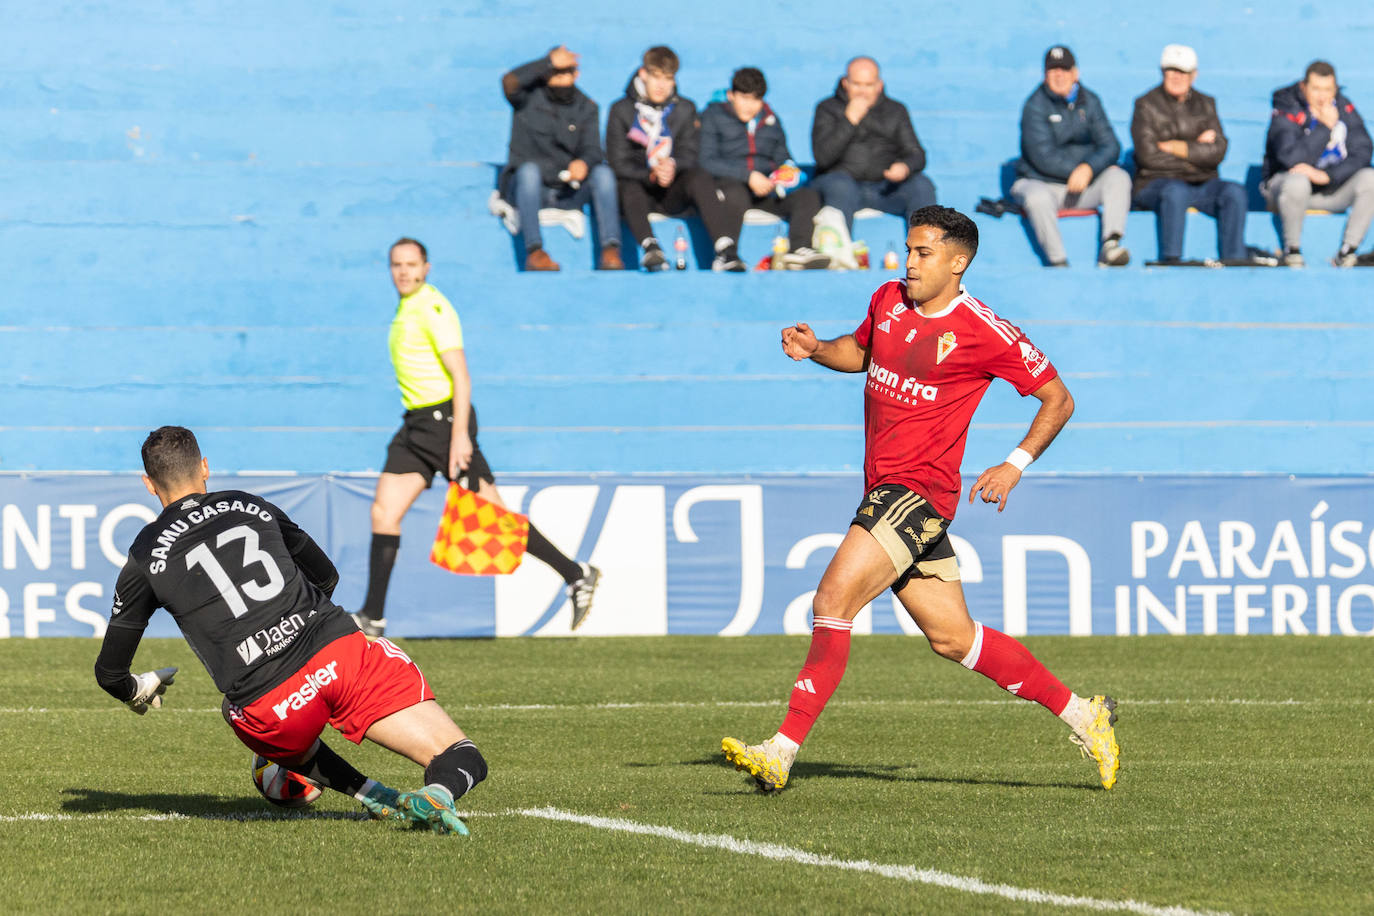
955 227
171 455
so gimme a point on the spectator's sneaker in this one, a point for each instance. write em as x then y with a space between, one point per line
768 764
1098 739
382 803
805 259
728 260
653 257
1346 257
432 805
372 627
1113 255
1293 258
539 259
610 258
581 592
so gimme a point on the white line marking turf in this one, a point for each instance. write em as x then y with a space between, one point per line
777 852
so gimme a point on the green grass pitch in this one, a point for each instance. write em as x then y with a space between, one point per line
1245 786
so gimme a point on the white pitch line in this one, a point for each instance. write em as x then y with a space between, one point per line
168 709
901 872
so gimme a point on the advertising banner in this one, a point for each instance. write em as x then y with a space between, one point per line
699 554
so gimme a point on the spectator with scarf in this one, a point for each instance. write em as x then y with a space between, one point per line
742 146
652 144
1317 155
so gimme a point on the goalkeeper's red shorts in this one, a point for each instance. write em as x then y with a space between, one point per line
349 684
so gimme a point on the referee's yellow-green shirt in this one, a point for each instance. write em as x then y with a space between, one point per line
425 326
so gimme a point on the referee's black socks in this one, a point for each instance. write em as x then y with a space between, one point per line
541 547
380 560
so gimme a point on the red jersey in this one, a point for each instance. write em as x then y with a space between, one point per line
926 375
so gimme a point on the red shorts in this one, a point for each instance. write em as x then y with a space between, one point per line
349 684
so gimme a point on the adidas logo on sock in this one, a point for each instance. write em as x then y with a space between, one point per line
805 684
1013 688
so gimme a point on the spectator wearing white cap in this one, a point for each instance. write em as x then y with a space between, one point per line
1179 144
1068 159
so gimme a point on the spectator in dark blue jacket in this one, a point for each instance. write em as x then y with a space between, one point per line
867 153
1068 159
742 145
1317 155
555 157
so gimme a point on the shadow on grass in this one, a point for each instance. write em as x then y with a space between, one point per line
889 773
193 805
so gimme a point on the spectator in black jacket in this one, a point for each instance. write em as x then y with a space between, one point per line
867 153
555 157
652 142
1068 159
1178 145
1317 154
742 144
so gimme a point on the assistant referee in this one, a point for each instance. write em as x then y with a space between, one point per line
438 435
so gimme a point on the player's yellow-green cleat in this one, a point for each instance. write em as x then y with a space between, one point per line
1098 740
765 763
432 805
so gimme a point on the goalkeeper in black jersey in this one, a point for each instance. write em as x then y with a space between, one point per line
251 593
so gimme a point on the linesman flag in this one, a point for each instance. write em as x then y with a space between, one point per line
477 537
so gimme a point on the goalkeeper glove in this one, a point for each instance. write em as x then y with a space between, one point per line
151 686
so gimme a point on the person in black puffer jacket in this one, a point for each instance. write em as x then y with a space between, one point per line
742 144
652 143
867 153
555 157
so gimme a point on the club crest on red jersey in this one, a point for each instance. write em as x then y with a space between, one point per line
945 346
1035 360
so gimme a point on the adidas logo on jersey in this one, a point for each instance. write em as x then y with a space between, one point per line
867 510
805 684
885 326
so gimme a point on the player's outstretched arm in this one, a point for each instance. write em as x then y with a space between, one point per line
1056 406
843 354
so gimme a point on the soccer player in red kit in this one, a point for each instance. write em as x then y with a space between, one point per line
930 351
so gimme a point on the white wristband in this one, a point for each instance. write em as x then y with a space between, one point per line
1019 458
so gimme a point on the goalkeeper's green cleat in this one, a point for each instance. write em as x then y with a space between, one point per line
432 805
1098 739
382 803
768 764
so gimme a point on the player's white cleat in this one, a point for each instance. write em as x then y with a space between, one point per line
1098 739
766 762
581 592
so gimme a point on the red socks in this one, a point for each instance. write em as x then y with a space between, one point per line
1000 657
819 676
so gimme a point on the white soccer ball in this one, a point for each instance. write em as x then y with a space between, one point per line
281 786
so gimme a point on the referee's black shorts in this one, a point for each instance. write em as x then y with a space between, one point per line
420 446
914 536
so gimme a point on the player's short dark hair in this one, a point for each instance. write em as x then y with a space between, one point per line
750 81
1319 68
661 57
171 455
407 240
955 226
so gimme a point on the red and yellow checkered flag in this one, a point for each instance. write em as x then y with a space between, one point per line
477 537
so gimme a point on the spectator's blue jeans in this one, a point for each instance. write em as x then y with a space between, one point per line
1170 198
847 194
531 195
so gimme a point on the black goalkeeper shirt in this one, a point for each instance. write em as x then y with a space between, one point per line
248 588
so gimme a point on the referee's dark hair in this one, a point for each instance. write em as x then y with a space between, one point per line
407 240
957 227
171 455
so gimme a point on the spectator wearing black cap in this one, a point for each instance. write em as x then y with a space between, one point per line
1179 144
1068 158
742 145
867 153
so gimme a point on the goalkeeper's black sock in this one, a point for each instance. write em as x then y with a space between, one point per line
457 769
332 771
541 547
381 559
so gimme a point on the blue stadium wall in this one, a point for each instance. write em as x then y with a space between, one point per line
198 197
